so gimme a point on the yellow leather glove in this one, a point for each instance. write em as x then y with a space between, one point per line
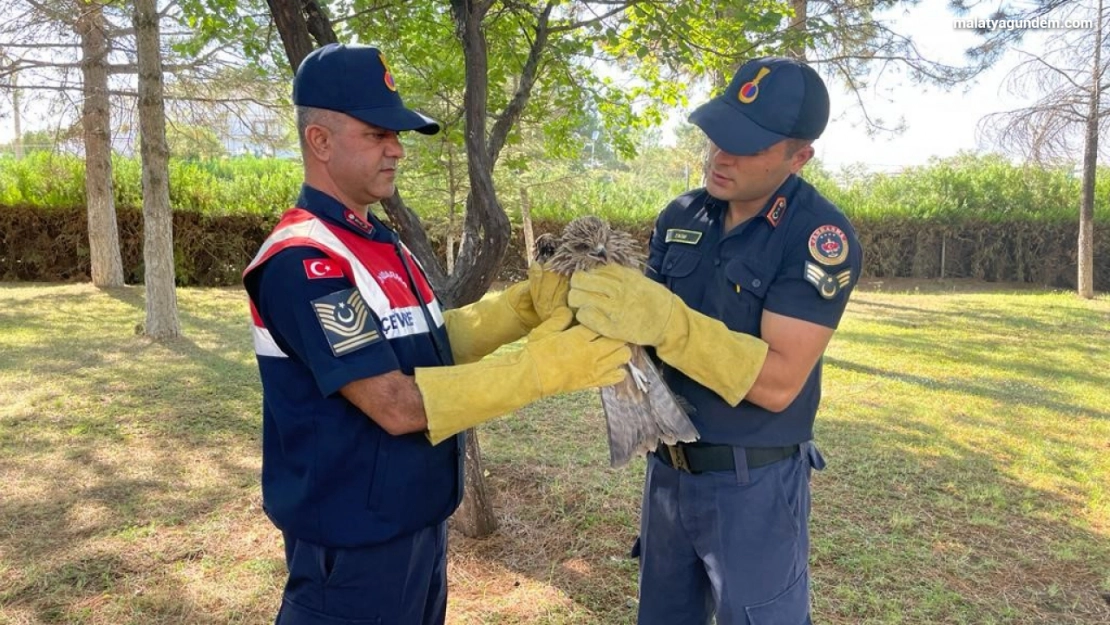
558 361
548 290
480 328
622 303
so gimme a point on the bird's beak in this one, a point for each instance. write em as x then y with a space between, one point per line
601 253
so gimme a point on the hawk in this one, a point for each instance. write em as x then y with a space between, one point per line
641 411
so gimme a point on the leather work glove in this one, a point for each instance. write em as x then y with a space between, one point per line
558 361
548 290
622 303
480 328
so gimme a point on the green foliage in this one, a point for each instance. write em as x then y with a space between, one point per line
42 180
964 188
946 192
193 142
240 185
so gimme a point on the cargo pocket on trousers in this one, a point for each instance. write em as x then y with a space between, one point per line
791 607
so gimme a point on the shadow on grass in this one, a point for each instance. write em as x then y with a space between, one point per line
1028 395
947 536
123 448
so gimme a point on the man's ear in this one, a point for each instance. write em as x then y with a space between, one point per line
318 140
800 158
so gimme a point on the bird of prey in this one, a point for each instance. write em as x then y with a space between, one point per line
641 411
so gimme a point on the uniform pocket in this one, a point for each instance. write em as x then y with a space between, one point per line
679 262
791 607
677 268
748 280
378 476
749 276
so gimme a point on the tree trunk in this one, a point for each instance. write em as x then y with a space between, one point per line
526 225
485 236
292 25
161 296
17 120
475 516
1085 280
797 47
104 254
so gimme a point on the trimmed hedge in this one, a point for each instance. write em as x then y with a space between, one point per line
211 250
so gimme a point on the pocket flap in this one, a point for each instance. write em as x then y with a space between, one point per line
749 275
791 607
679 263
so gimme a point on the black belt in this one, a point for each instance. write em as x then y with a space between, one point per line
705 458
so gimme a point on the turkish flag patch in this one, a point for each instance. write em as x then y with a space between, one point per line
316 268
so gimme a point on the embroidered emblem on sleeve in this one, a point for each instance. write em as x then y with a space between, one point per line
828 285
677 235
345 320
828 245
316 268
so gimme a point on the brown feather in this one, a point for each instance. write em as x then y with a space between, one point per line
640 413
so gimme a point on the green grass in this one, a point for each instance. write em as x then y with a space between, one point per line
966 432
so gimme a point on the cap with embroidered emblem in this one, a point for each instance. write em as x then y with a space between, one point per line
356 80
768 100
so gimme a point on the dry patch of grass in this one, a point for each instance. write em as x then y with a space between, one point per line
966 431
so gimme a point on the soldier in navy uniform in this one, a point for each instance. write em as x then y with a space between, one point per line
746 282
367 382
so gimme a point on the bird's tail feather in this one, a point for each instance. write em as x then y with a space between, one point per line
638 421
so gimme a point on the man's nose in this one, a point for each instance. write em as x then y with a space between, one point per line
394 148
720 156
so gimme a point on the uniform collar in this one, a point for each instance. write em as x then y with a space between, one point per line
325 206
779 202
772 212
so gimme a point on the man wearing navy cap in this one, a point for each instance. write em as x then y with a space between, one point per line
365 390
747 280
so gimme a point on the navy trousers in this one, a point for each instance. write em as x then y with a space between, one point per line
733 545
402 582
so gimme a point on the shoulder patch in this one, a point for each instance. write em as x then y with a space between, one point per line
677 235
316 268
828 245
345 320
828 285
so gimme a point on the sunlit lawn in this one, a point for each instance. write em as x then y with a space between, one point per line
967 434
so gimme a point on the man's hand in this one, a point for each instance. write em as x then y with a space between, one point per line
548 291
622 303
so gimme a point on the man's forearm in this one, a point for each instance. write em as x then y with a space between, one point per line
392 400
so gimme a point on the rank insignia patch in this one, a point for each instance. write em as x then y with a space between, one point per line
828 245
689 237
346 322
358 222
775 214
828 285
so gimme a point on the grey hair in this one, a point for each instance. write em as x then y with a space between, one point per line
308 116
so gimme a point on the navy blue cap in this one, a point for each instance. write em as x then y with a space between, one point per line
356 80
768 100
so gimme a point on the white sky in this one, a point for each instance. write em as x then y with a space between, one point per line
938 123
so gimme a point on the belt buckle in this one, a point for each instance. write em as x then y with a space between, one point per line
678 458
